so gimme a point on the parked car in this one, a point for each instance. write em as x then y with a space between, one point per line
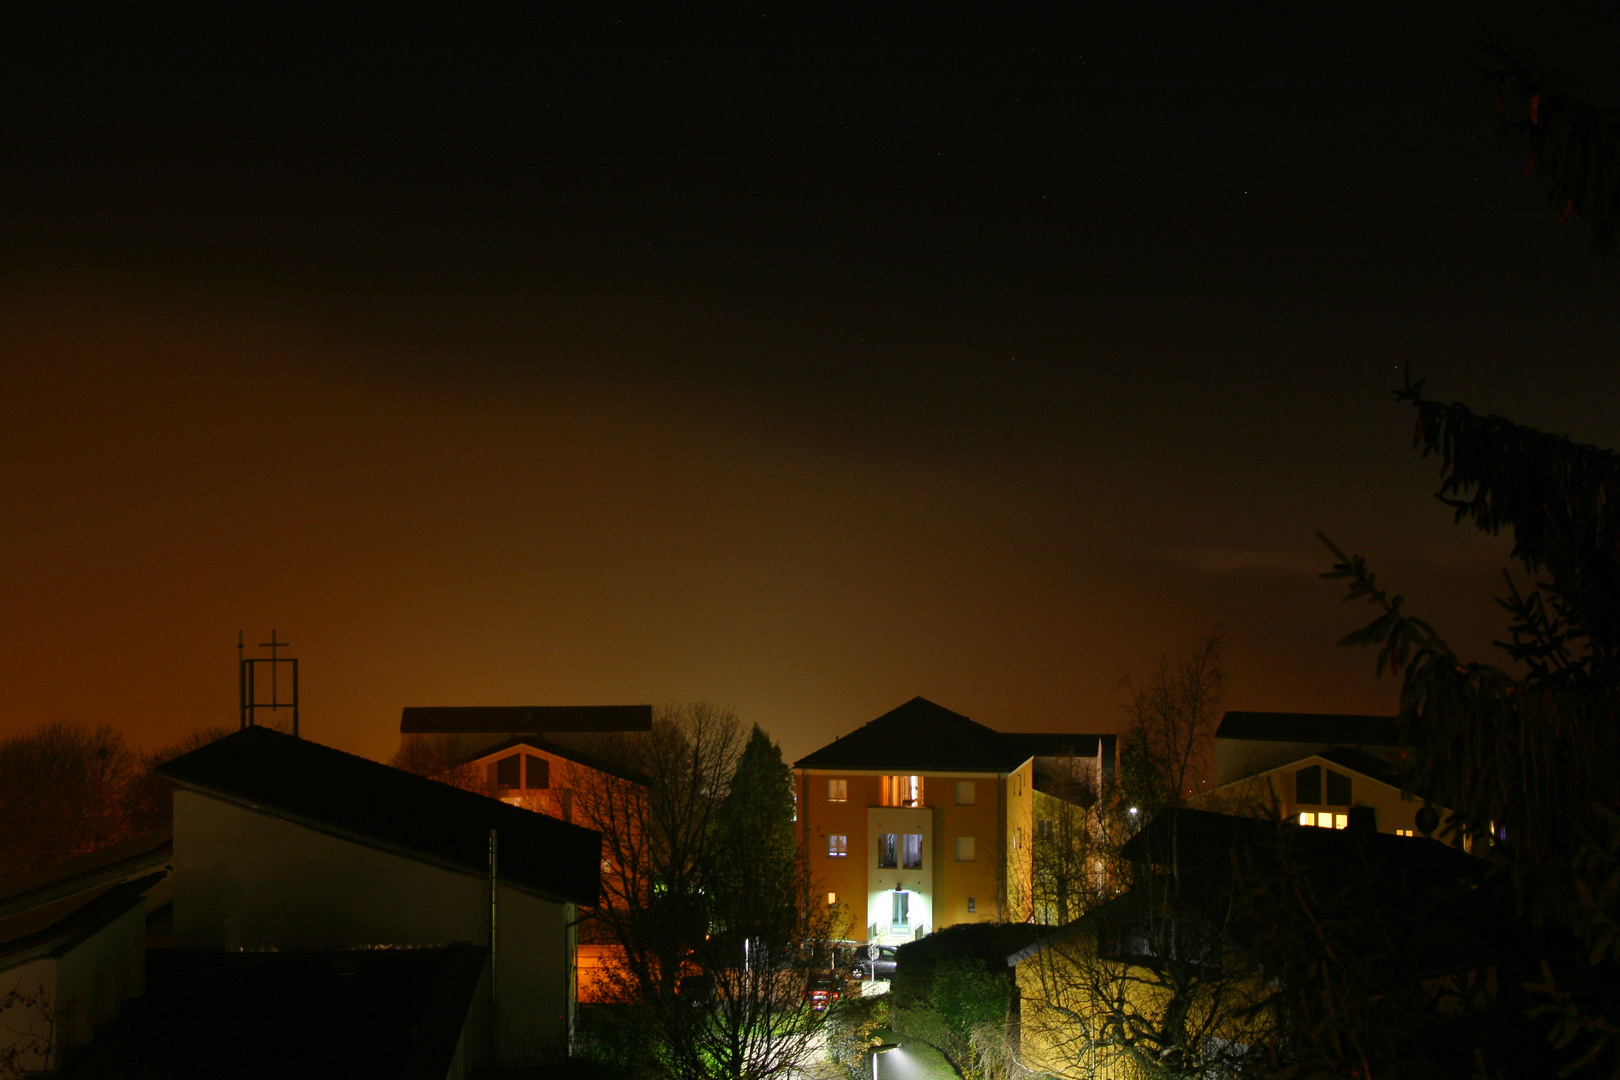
824 988
875 962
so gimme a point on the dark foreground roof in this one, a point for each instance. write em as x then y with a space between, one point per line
59 926
533 719
394 1013
298 779
1205 837
1341 729
1415 896
96 870
922 736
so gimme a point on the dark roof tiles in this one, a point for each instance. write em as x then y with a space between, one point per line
1342 729
926 737
302 779
534 719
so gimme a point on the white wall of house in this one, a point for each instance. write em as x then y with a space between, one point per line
65 999
245 878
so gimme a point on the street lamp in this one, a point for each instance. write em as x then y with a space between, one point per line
880 1048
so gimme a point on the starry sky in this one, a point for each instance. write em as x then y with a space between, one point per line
801 358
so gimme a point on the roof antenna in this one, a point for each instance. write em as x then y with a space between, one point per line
247 683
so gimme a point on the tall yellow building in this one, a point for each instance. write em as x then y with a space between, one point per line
923 819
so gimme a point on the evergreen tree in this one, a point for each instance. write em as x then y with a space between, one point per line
1527 765
753 873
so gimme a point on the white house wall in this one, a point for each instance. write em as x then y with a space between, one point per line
243 878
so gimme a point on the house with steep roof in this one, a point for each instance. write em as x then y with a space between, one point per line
68 965
282 844
463 731
1320 769
923 818
1248 743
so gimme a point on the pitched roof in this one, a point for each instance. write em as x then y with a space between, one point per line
1205 837
1342 729
70 877
551 746
301 780
1362 762
455 719
58 926
923 736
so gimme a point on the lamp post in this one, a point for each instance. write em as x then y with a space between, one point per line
880 1048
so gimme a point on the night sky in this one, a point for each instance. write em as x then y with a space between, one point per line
782 356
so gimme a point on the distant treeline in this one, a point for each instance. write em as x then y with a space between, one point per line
69 788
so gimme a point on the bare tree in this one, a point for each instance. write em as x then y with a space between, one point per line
1150 985
62 791
1170 743
28 1031
441 759
148 798
1080 822
713 965
1141 975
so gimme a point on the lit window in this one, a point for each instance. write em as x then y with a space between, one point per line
1339 820
838 791
1403 832
966 793
902 791
832 898
837 846
888 851
964 849
1307 819
911 851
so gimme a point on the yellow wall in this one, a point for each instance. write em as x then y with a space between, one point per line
1058 998
852 876
1018 838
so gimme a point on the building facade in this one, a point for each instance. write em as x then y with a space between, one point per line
923 819
1317 769
282 844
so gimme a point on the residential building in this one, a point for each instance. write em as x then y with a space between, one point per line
1249 743
534 757
282 844
73 941
459 732
1321 769
68 966
923 818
